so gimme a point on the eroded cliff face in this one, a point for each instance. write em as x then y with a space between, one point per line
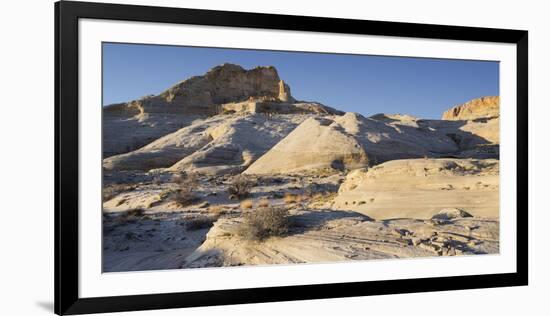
484 107
198 95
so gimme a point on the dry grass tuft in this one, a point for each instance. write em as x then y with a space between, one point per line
263 202
320 198
265 222
199 222
113 190
292 198
187 185
240 186
216 210
131 215
247 204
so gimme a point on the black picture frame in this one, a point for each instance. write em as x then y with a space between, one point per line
67 15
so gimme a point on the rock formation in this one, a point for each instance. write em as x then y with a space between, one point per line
223 89
353 141
485 107
198 95
284 92
222 143
419 188
238 142
326 236
315 144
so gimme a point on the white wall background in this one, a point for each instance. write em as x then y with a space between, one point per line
26 139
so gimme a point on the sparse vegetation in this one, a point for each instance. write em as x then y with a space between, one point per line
322 197
263 202
130 215
291 198
265 222
113 190
247 204
157 180
187 185
240 186
215 210
135 212
199 222
120 202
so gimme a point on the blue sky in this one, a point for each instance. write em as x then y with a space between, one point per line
422 87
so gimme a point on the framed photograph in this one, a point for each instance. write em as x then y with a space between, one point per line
209 158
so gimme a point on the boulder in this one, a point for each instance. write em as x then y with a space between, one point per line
450 214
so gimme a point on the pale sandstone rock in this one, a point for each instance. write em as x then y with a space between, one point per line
220 144
420 188
237 142
315 144
345 142
484 107
284 92
325 236
451 213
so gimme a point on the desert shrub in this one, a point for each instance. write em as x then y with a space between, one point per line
156 177
113 190
240 186
187 185
131 215
263 202
215 210
265 222
247 204
157 180
321 198
292 198
199 222
135 212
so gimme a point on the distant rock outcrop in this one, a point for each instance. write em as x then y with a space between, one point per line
485 107
198 95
